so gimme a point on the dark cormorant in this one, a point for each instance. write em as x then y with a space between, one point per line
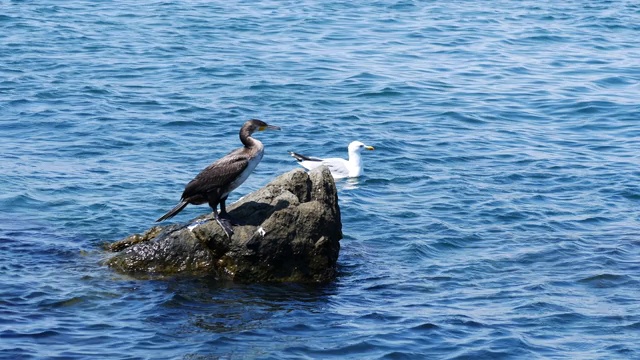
213 184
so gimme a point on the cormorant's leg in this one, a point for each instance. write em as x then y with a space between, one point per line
224 214
224 223
223 207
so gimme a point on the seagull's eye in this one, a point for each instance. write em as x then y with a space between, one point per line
361 146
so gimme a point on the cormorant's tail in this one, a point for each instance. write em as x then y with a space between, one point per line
173 212
301 157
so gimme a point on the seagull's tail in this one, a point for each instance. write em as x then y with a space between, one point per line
301 157
173 212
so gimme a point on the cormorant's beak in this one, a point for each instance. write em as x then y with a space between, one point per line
369 147
268 127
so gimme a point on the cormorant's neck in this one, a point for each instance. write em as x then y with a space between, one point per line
245 137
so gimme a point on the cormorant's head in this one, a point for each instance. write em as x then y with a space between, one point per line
258 125
357 147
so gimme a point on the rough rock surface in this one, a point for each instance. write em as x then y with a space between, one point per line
289 230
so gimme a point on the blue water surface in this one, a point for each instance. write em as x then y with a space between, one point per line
498 217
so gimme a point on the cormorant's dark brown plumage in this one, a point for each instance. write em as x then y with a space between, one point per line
213 184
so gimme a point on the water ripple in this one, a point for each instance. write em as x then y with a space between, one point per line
497 217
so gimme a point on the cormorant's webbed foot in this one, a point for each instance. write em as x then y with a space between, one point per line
226 225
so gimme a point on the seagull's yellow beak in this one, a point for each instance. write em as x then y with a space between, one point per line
369 147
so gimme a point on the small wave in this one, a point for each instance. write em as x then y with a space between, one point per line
22 201
425 327
633 326
407 354
280 87
148 102
420 250
593 220
377 316
587 108
605 280
19 102
614 81
541 307
543 38
93 90
183 123
61 303
386 92
367 76
465 118
631 195
12 334
481 354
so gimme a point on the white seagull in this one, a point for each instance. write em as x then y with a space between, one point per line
340 168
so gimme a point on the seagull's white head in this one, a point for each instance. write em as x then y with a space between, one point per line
357 147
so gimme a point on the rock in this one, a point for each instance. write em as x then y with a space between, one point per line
289 231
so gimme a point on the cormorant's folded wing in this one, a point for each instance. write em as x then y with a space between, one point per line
217 175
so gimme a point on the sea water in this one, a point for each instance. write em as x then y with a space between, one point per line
498 217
